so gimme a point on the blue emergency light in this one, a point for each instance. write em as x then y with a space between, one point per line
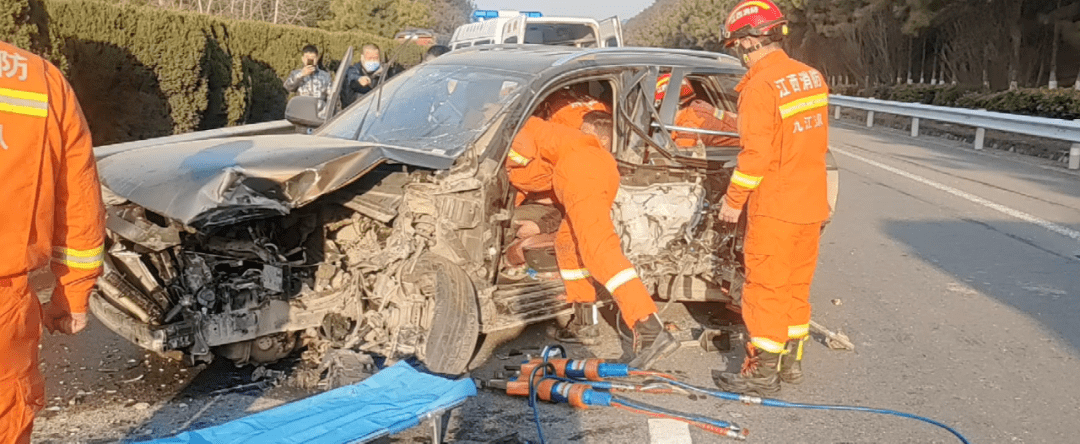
480 15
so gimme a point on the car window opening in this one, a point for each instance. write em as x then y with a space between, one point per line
564 34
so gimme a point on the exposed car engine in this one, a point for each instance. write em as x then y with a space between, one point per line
249 289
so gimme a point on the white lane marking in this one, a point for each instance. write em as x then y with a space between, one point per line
669 431
1067 232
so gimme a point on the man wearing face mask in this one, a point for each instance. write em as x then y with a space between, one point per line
365 75
310 81
784 135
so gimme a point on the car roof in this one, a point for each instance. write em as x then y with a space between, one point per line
549 60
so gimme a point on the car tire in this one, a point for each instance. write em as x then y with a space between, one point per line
455 328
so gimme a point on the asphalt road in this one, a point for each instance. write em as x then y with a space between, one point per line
956 274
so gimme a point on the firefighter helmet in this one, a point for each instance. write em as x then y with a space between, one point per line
662 84
754 18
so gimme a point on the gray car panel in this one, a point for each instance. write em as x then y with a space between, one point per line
223 181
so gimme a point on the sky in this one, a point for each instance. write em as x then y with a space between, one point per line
599 9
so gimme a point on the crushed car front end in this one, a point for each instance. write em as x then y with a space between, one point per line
300 240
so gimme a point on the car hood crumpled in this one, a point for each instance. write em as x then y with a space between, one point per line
218 182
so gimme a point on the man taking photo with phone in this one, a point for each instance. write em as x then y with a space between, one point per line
310 80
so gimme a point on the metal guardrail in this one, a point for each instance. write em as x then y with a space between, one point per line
980 119
255 129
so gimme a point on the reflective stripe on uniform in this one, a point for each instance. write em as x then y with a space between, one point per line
518 158
768 345
620 278
745 180
799 349
798 331
719 114
804 104
24 102
662 82
83 259
574 275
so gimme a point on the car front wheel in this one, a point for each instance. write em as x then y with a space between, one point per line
455 325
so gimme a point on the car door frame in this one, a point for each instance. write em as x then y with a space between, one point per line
609 28
512 28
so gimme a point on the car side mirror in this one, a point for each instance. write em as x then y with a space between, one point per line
303 111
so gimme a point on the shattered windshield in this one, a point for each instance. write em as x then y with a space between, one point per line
436 108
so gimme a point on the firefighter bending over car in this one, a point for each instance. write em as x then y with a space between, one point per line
54 212
697 114
783 129
568 106
578 166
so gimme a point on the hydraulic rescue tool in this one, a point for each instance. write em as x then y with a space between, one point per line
551 380
584 382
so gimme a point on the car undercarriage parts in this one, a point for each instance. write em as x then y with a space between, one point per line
516 305
261 350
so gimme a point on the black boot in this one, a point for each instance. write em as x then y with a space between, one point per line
760 375
583 328
652 342
791 362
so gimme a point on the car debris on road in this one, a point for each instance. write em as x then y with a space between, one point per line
835 341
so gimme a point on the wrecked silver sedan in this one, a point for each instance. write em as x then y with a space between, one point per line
392 228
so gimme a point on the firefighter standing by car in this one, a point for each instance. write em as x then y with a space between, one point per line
585 179
697 114
783 129
54 211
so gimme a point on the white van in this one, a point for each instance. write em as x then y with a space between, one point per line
566 31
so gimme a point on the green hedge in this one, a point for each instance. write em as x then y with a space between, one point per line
1061 103
144 72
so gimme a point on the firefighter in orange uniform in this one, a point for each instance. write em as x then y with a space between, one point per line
585 180
697 114
568 106
54 210
783 128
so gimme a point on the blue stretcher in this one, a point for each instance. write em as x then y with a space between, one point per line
393 400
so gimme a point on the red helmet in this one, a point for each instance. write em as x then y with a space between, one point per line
662 83
755 18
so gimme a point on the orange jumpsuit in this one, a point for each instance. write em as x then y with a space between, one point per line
701 115
585 180
783 128
566 107
569 107
53 210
